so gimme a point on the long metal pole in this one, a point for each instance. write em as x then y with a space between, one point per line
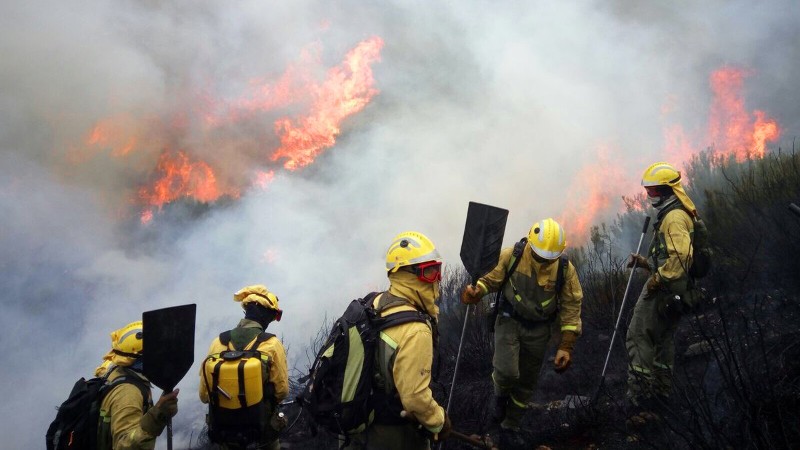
458 359
622 305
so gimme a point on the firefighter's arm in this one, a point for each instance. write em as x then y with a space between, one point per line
216 347
130 429
278 371
491 281
412 377
676 234
571 300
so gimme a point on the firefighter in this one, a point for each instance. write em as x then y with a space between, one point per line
530 303
405 352
128 418
649 341
260 309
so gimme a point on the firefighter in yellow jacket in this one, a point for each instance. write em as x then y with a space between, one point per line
655 317
260 309
528 307
405 352
128 418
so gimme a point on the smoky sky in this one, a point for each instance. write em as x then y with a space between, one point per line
498 102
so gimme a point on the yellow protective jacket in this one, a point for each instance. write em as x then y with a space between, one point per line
413 346
123 410
671 249
272 348
569 312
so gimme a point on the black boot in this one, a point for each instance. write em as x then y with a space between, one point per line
499 409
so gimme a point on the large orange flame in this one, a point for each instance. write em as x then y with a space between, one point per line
731 129
180 177
346 91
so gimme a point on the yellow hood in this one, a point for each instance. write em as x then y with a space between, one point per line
687 202
421 294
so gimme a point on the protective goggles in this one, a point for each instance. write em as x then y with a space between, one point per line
278 314
429 272
658 191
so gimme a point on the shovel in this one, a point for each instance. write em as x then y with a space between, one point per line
480 250
168 336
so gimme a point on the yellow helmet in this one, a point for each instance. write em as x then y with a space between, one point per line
661 181
547 239
258 293
410 248
127 341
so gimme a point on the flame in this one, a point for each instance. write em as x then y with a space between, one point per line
593 190
320 104
730 127
181 177
346 91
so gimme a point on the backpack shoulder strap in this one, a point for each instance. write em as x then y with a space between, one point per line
561 274
516 256
263 337
129 378
225 338
400 318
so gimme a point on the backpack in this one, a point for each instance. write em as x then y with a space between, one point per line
240 395
701 251
76 424
339 392
702 254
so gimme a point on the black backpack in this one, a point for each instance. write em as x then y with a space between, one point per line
241 400
338 392
701 251
75 425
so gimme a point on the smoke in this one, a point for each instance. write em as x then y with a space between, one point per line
501 103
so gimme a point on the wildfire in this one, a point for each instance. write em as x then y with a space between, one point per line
592 192
323 104
346 91
731 129
180 177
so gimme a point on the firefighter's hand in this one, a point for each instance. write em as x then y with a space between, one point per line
167 405
562 361
447 427
471 295
157 417
637 260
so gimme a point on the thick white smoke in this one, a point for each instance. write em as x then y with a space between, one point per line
497 102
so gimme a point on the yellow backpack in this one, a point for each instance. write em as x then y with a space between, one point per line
241 397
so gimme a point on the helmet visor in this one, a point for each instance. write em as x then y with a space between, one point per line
658 191
429 272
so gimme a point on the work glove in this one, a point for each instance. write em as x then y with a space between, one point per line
447 427
564 354
156 417
638 261
471 295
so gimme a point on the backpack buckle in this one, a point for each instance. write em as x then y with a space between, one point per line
231 355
